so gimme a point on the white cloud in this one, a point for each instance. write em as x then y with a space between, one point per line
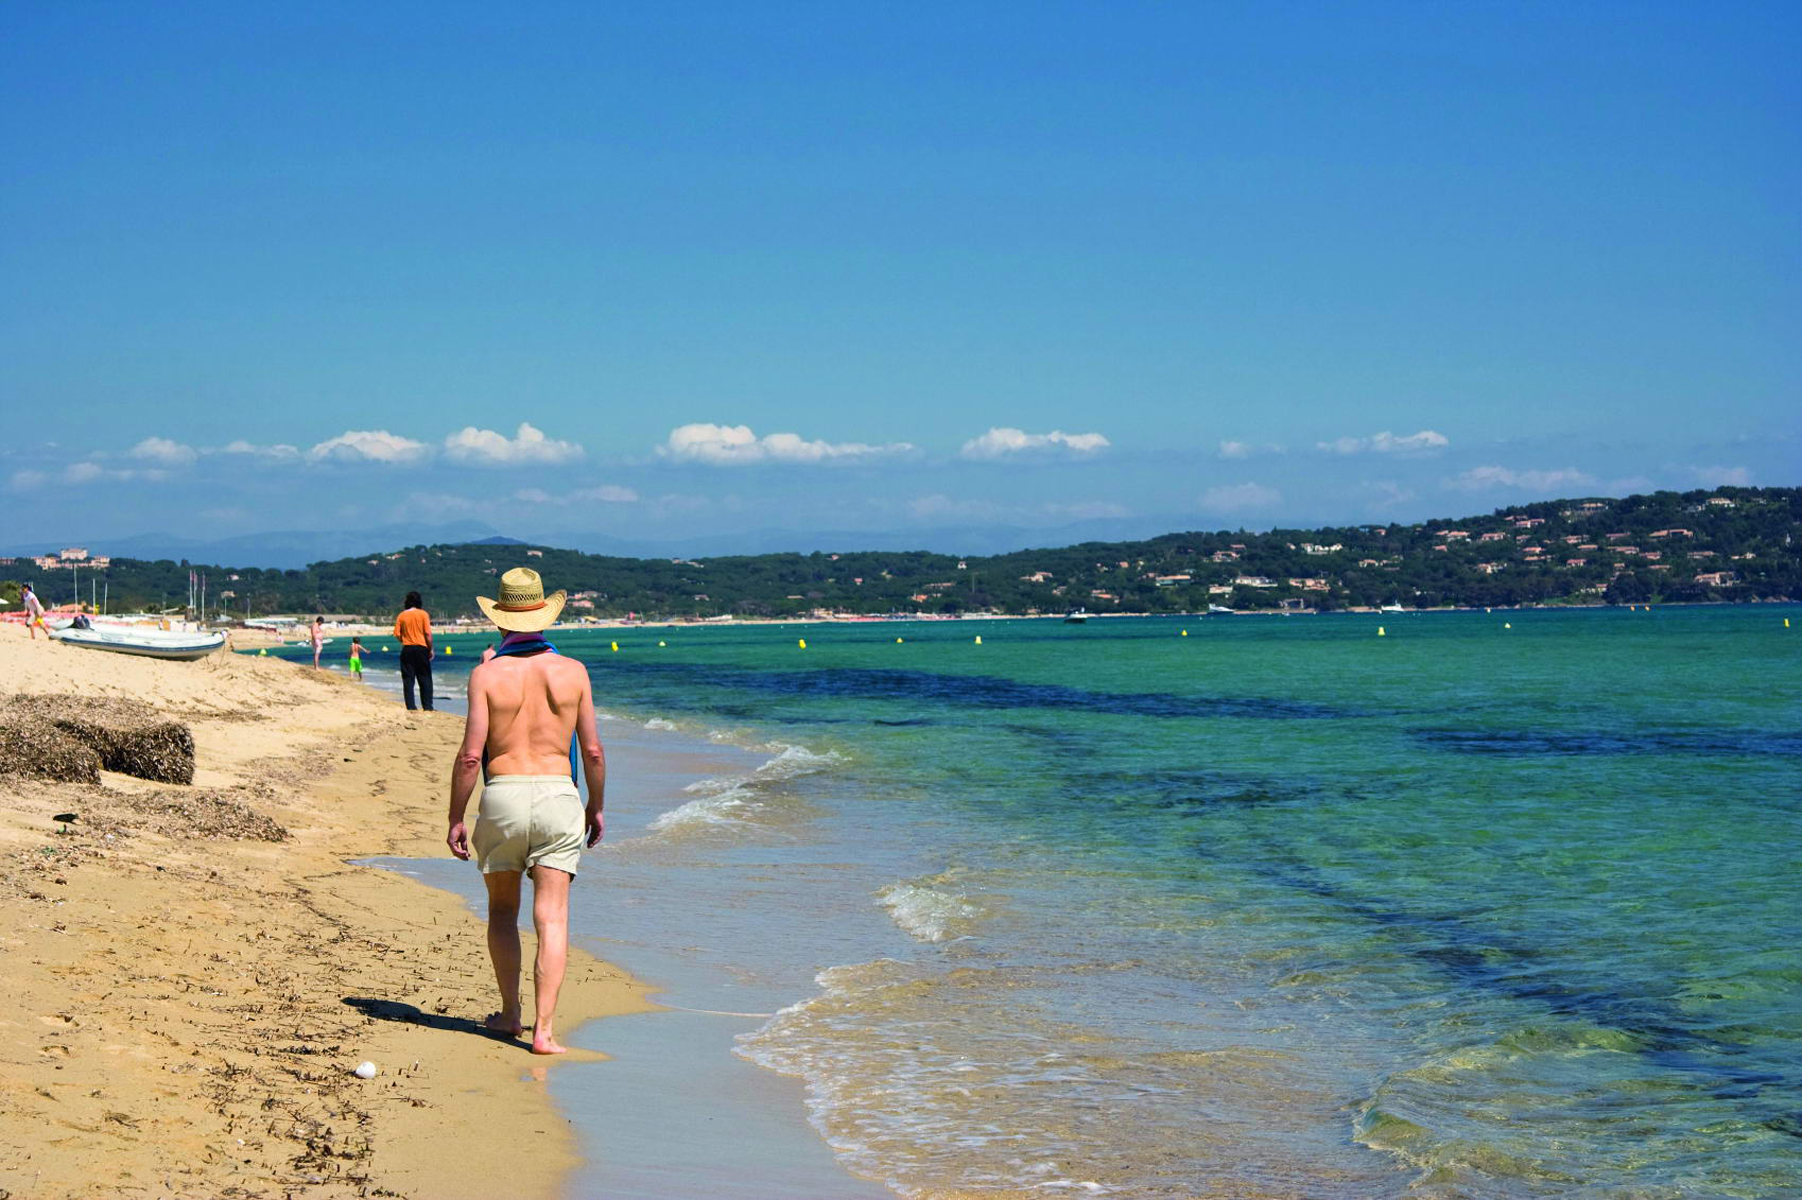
1424 442
1234 497
1483 479
369 445
528 445
26 481
163 450
439 503
1234 450
274 450
93 472
607 493
735 444
1722 476
1002 441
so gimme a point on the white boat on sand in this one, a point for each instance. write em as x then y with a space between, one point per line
135 639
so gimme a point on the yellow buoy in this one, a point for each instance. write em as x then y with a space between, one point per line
663 643
1185 633
1786 622
898 640
615 646
1380 632
1507 625
450 649
803 642
979 639
264 652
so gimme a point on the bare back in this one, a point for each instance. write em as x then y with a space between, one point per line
533 705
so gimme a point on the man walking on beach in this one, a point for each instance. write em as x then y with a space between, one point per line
528 709
413 629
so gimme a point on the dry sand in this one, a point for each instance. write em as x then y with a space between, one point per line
185 1001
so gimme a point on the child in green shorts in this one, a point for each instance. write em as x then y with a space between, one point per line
356 658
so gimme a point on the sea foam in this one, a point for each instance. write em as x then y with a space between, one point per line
738 800
928 914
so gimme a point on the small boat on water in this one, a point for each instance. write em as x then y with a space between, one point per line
1076 616
150 643
1390 608
1219 608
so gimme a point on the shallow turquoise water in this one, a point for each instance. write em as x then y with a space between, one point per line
1278 907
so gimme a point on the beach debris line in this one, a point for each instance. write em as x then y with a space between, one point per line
209 813
72 738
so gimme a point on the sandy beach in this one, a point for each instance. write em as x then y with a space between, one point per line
188 997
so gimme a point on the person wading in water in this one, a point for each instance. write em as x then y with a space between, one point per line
530 711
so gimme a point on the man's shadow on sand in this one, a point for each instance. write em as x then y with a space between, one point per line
408 1014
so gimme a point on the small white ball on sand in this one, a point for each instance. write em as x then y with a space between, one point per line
365 1070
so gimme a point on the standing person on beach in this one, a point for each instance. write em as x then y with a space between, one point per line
413 629
34 611
318 635
529 707
356 659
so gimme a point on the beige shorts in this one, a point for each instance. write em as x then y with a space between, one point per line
529 821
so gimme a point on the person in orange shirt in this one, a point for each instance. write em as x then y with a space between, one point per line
413 629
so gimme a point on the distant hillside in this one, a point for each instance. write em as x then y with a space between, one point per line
1734 544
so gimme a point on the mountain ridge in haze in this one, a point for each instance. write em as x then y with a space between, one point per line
294 549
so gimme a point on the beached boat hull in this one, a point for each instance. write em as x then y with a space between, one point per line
149 643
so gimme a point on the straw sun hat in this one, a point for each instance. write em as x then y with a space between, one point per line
523 606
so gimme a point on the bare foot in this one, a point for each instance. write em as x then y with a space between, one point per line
544 1043
502 1023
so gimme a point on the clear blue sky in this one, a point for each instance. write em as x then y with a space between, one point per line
1294 263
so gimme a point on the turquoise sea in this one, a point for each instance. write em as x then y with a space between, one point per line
1493 905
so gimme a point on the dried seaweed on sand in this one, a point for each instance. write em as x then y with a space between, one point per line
125 735
32 746
206 813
